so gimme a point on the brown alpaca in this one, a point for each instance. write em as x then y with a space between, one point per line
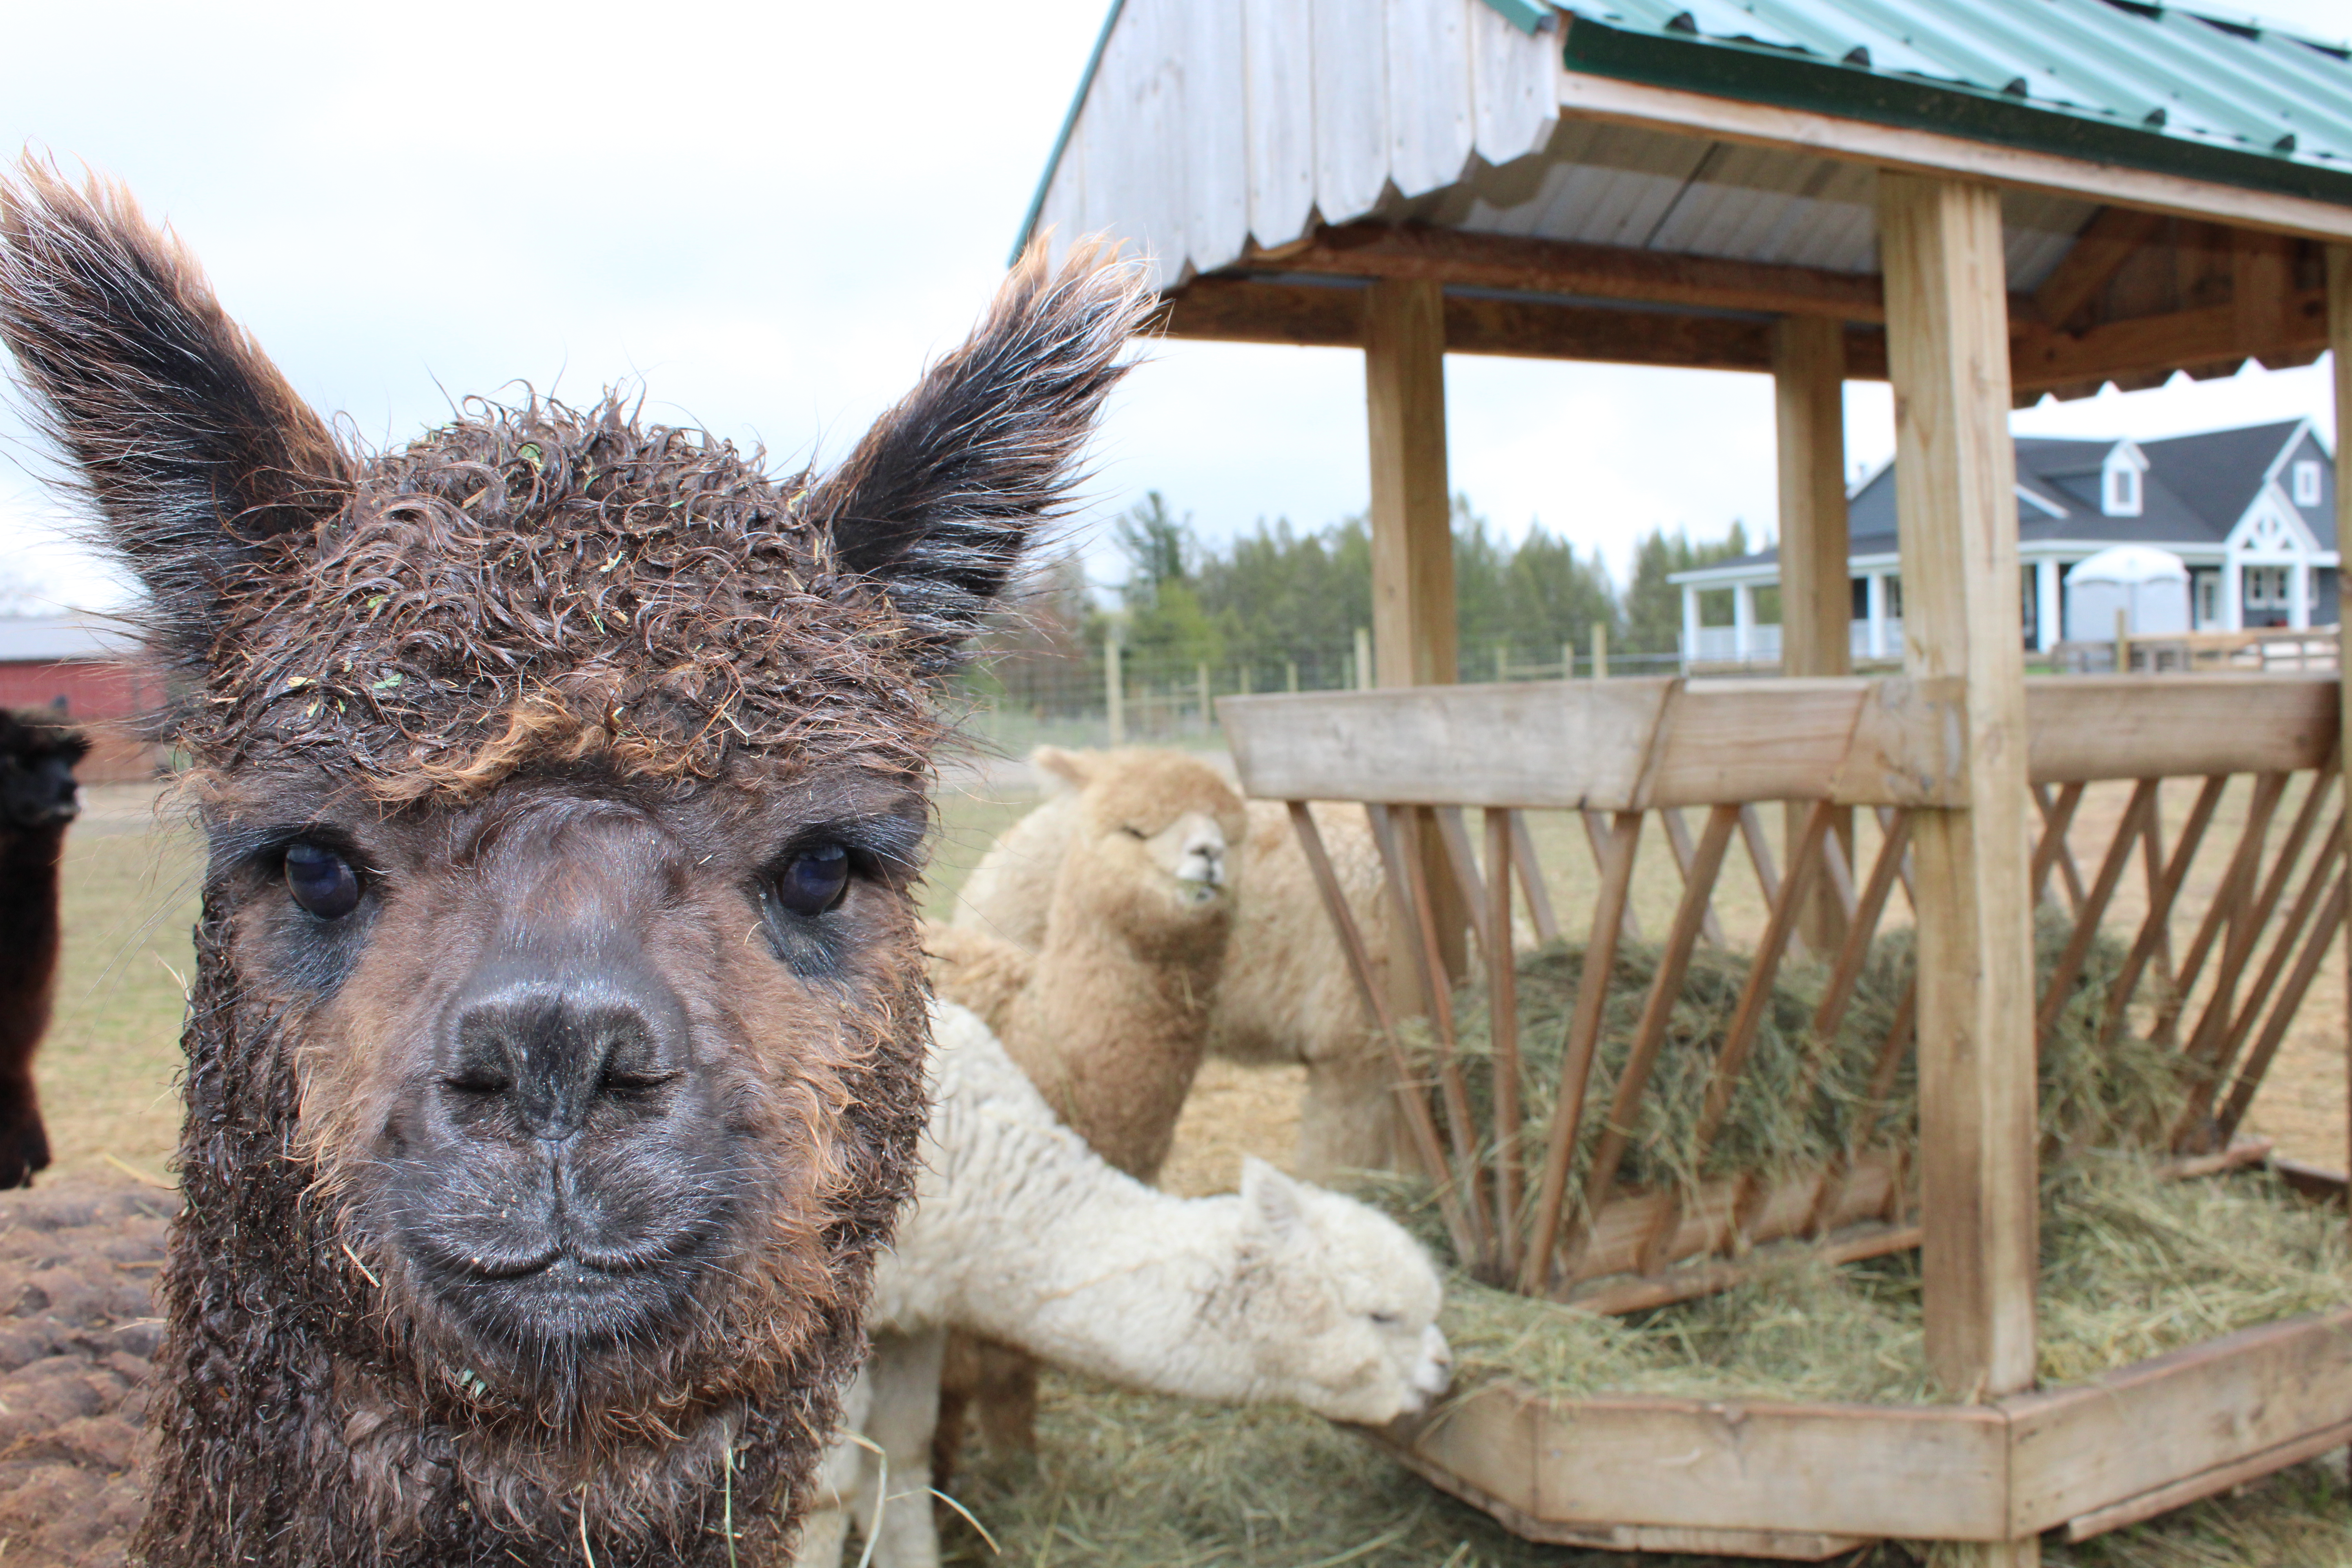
38 753
1108 1017
554 1056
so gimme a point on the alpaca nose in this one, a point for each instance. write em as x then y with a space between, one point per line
547 1061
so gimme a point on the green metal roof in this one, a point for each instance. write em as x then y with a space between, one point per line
2153 87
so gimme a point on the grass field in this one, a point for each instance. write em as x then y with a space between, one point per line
1128 1480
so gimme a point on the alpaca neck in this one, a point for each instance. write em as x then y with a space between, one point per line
29 859
1111 1278
1022 1234
1112 1028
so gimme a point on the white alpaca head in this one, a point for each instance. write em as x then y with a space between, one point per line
1162 831
1341 1305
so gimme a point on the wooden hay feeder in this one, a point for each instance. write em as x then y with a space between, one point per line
1808 194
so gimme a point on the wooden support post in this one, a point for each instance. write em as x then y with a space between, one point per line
2339 341
1599 652
1413 623
1948 349
1114 691
1816 592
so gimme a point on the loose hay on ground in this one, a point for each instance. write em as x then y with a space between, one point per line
1130 1480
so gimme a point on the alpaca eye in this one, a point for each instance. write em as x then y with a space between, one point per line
1386 1319
321 881
813 882
1135 833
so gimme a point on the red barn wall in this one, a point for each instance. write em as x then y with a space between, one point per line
102 694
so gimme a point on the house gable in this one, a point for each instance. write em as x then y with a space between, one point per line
2273 529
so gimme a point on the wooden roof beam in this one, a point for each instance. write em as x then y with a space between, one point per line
1263 311
1461 259
2044 358
2106 243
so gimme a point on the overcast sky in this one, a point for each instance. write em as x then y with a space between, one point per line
767 218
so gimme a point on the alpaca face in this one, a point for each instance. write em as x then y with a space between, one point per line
555 1049
37 777
577 1058
1342 1304
1165 836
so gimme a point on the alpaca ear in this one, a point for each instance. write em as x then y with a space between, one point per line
193 447
945 492
1275 1204
1073 770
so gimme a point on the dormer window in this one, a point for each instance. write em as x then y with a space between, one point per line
2122 491
2119 480
2306 483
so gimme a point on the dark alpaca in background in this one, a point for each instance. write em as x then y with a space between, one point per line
37 799
555 1051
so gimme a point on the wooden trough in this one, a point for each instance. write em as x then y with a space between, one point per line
2241 900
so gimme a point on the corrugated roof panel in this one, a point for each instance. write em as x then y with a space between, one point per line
2114 79
1607 184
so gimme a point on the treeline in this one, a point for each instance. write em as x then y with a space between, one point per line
1280 600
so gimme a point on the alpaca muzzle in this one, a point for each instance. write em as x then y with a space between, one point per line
558 1176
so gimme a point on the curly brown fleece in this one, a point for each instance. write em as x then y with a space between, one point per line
549 605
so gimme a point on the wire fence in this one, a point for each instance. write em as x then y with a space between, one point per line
1109 694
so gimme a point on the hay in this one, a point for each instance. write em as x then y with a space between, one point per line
1130 1480
2132 1266
2090 1094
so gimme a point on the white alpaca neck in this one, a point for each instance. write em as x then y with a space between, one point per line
1022 1234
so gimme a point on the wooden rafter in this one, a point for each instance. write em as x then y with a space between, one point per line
2106 243
1456 257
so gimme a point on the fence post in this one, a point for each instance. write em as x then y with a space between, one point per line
1208 718
1290 672
1114 691
1502 662
1365 679
1601 650
2122 640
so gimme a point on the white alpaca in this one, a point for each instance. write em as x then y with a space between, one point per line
1020 1233
1286 995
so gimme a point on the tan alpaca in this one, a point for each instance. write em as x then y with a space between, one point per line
1108 1011
1106 1008
1286 994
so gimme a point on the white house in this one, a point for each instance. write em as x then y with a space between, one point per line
2249 511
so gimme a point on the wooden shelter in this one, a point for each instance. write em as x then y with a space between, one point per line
1981 203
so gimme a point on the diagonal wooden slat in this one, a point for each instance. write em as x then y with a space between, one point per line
1462 1132
1854 953
2226 913
1747 1013
2069 967
2057 815
1657 1010
1581 1048
1760 855
2239 899
1387 838
2212 1074
2283 867
1531 879
2151 843
1596 833
2317 950
1840 875
1679 838
2158 921
1419 1123
1456 837
1503 1036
